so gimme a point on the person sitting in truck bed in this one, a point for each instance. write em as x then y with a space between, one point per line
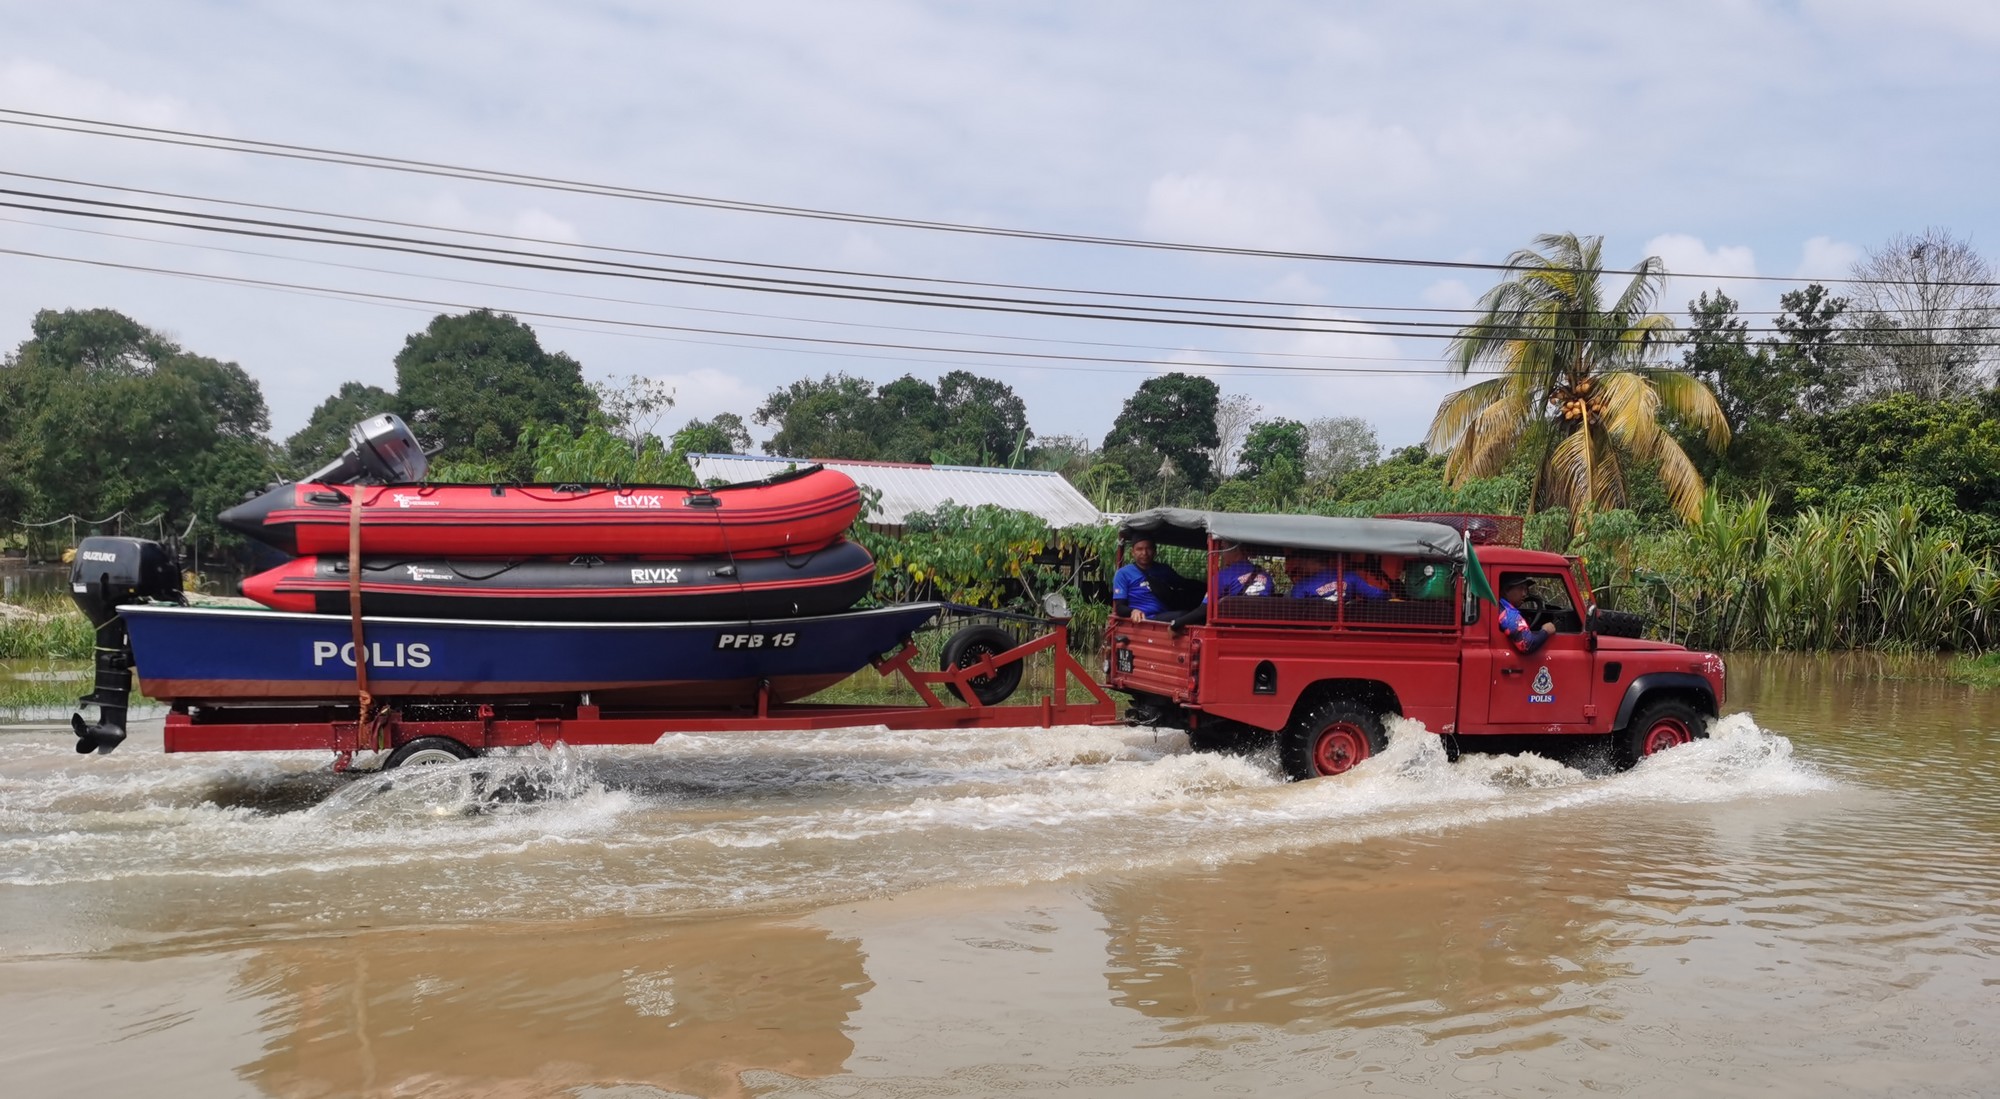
1235 575
1322 578
1238 575
1513 624
1145 587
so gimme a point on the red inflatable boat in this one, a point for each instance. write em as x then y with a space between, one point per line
761 584
807 507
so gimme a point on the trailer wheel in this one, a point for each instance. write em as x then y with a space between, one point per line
428 749
965 649
1329 739
1657 726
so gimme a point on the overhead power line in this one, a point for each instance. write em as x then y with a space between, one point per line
1028 358
104 210
647 304
788 267
1331 307
291 151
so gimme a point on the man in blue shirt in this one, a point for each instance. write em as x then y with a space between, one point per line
1513 624
1143 587
1238 575
1317 577
1235 574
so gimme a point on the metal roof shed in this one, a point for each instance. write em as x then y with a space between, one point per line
915 488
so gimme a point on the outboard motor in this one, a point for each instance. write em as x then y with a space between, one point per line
379 449
109 573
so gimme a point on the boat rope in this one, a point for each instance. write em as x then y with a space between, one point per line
364 698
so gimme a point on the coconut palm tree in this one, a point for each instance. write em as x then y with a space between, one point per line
1576 383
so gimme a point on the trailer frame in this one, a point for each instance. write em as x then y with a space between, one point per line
336 724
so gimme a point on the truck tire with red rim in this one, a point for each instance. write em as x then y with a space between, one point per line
1330 738
1657 725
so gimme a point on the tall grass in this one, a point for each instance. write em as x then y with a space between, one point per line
53 628
1876 577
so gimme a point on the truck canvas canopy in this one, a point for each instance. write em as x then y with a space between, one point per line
1192 529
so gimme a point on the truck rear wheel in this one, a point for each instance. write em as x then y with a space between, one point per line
1657 726
1330 739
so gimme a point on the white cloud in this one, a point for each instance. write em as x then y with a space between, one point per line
1683 253
1213 209
1826 258
541 225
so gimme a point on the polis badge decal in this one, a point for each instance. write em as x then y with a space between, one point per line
1544 686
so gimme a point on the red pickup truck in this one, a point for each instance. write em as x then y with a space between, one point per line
1361 619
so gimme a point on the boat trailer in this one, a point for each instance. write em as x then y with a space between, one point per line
969 693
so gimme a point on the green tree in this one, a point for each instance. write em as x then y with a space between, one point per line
1173 416
1576 386
1274 445
725 434
834 417
1952 446
982 422
105 415
1717 350
480 384
1813 353
325 435
911 419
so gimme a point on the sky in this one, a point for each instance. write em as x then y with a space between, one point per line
1727 137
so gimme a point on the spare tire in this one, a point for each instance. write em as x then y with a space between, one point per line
965 649
1619 623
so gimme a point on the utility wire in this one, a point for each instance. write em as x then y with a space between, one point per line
215 142
261 228
441 304
795 268
788 318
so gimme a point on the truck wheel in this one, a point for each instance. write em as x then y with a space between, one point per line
1330 739
1657 726
428 749
964 650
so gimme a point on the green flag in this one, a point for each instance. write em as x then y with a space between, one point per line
1475 577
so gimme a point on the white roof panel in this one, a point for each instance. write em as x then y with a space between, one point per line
908 488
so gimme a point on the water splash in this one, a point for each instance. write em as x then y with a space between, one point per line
702 822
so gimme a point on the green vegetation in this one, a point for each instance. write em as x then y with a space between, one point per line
991 557
48 628
1578 385
963 420
1980 671
1824 477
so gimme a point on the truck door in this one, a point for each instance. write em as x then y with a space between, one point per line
1550 686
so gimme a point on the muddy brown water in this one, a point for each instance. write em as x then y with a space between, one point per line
1807 904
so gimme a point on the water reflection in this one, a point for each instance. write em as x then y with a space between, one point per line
1806 904
1441 938
686 1008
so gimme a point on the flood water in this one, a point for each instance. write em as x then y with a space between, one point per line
1807 904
